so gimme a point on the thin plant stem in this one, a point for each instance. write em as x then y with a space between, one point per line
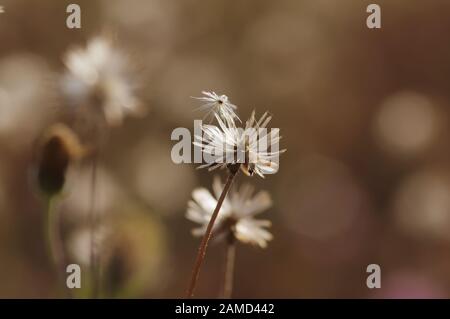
49 231
54 245
207 236
229 267
93 220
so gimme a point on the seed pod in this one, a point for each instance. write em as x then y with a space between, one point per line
58 148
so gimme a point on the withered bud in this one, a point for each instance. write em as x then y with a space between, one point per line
58 147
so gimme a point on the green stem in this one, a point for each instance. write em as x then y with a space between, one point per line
54 245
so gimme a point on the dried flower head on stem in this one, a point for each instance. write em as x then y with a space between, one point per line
252 146
250 149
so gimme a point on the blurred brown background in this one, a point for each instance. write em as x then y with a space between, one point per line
363 114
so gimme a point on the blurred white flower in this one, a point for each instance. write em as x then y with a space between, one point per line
236 214
79 243
98 76
249 146
2 10
219 104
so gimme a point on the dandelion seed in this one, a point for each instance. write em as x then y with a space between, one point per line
236 214
98 76
217 104
249 146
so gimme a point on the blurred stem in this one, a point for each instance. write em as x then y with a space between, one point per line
229 266
54 246
207 236
94 221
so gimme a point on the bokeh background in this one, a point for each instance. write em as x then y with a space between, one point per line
363 113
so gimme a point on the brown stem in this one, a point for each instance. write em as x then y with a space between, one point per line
229 266
93 220
207 236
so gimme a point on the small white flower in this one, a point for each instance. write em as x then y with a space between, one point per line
2 10
236 214
249 146
219 104
98 76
